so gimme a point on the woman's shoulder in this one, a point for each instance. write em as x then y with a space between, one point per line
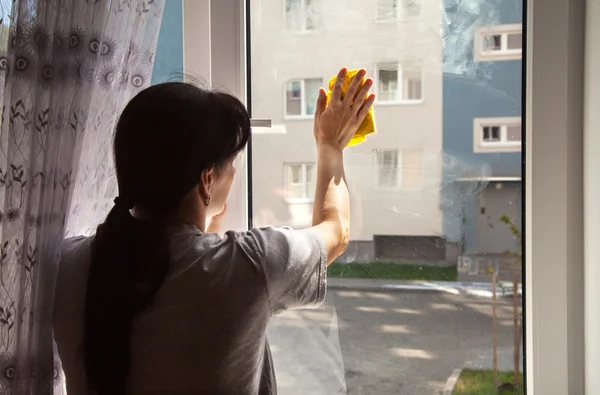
75 256
74 243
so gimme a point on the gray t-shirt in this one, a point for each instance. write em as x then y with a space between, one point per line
205 332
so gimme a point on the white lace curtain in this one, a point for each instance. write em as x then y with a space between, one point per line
67 67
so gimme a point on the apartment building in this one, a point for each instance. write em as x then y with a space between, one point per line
395 176
482 130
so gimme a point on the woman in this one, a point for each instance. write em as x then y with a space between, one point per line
156 302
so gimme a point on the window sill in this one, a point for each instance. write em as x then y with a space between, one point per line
491 148
298 117
399 103
387 21
302 32
299 201
498 56
399 189
400 19
274 129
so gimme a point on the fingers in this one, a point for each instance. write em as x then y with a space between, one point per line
336 94
321 102
364 110
354 85
362 95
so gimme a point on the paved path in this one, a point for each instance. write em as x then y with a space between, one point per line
364 342
451 287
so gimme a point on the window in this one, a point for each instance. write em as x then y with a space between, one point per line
300 182
376 320
395 168
491 134
502 42
387 168
497 134
399 84
553 294
412 7
414 200
301 97
302 15
387 10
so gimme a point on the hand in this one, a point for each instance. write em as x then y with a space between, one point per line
215 222
338 122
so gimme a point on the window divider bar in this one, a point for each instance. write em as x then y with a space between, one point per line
553 228
592 197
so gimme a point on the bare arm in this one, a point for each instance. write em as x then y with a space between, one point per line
331 211
335 125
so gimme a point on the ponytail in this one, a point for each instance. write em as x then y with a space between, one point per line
129 262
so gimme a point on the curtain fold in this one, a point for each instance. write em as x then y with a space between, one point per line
67 68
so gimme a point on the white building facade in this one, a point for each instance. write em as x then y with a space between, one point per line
395 176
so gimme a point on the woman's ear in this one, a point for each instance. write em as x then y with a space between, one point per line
206 182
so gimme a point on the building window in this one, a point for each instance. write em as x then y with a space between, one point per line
412 8
388 10
302 15
502 42
300 182
491 134
387 168
399 84
497 134
301 97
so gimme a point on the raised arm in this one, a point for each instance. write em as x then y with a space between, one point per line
335 125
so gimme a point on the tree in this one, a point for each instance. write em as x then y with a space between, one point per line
516 317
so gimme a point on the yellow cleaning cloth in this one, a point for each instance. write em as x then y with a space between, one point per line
368 125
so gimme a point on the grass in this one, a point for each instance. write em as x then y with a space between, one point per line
481 382
392 271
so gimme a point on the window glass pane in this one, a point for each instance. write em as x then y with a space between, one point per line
294 98
412 7
411 168
312 17
387 169
491 133
387 9
387 83
513 133
312 94
294 181
293 14
492 42
412 83
428 192
515 41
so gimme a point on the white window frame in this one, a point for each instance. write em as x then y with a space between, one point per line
303 182
303 102
401 12
482 146
400 69
501 54
304 17
553 228
377 158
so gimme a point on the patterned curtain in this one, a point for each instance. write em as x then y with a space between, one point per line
67 67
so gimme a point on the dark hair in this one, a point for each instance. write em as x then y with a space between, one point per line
165 138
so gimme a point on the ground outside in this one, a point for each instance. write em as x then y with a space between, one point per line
414 336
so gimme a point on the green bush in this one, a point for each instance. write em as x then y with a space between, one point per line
392 271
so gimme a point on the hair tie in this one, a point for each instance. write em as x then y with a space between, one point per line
124 203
